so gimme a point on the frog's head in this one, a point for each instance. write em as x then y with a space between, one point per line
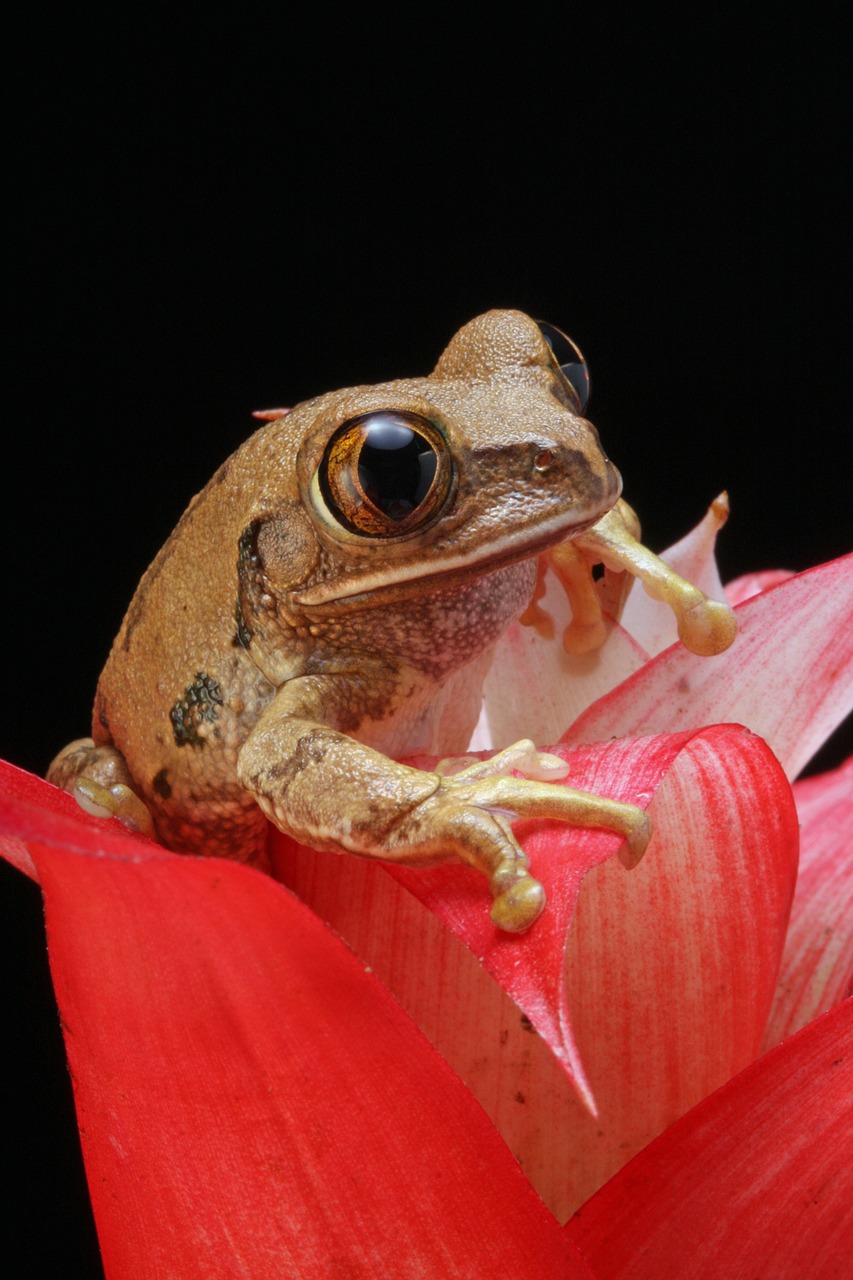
485 462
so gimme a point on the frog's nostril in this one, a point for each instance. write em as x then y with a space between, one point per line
543 461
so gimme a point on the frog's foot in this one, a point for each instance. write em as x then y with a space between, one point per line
522 757
588 599
99 780
472 812
705 627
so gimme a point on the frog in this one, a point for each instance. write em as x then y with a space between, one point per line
328 606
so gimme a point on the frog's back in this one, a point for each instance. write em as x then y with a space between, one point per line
180 692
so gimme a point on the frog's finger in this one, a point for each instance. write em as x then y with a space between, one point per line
99 780
117 801
485 840
527 799
521 756
587 630
705 627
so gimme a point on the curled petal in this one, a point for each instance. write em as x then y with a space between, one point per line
648 949
788 676
752 584
817 967
534 688
756 1181
249 1098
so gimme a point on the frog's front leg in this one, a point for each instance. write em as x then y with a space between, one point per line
330 791
706 627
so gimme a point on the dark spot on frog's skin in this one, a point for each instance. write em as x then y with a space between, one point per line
247 547
253 596
309 751
242 635
526 1024
519 1097
199 705
161 785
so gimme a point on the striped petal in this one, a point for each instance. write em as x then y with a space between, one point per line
756 1181
249 1098
817 967
788 676
634 995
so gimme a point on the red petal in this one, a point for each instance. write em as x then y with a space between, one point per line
660 1012
757 1181
32 809
250 1101
788 676
817 967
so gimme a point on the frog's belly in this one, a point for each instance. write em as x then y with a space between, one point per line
438 720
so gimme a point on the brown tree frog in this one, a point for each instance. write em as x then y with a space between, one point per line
327 606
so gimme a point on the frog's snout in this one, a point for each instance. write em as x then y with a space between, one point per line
587 477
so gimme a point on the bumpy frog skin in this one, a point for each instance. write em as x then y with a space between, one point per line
328 605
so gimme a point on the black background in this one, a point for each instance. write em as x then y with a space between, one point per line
216 215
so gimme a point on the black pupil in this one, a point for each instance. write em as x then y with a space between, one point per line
396 466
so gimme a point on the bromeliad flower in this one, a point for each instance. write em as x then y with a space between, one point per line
253 1101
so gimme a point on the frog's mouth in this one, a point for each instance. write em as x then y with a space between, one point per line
370 586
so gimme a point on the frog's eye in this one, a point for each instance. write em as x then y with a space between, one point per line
384 474
569 357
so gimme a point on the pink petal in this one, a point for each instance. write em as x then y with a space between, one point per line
788 676
649 622
251 1102
757 1181
660 1013
817 967
534 688
752 584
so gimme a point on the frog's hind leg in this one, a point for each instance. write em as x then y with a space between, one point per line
100 782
